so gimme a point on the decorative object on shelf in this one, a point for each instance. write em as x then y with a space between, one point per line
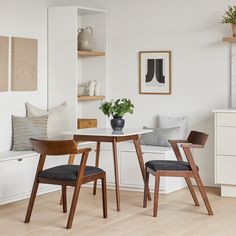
85 38
91 87
86 123
230 18
97 88
155 72
117 110
24 64
81 90
4 47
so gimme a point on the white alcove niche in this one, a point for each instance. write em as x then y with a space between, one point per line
68 68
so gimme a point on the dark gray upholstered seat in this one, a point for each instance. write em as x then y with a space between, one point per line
67 172
168 165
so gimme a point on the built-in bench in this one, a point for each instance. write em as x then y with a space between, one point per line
130 174
17 170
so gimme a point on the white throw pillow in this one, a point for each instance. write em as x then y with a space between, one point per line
58 117
159 137
172 122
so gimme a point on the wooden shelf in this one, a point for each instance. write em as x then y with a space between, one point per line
90 98
229 39
91 53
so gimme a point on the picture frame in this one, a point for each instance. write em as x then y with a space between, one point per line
4 56
155 72
24 64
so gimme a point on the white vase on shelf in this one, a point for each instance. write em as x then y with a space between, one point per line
97 90
91 87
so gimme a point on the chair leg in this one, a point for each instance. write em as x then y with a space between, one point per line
64 199
73 206
96 164
104 196
146 190
203 193
156 194
31 201
191 189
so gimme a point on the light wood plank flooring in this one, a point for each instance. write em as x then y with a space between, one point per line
176 216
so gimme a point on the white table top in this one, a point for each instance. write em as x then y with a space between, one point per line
107 132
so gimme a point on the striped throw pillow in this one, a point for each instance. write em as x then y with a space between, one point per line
24 128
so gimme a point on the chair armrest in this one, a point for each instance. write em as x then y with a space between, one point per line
83 150
178 141
191 145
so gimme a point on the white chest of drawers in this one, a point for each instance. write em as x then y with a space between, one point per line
225 151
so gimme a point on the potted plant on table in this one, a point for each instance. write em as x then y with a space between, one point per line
117 109
230 18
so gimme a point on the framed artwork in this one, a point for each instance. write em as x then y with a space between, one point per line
4 50
24 64
155 72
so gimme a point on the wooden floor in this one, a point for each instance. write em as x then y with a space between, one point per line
177 216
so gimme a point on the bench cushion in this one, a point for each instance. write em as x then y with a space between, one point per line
67 172
168 165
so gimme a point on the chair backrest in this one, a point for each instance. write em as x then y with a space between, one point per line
54 147
197 138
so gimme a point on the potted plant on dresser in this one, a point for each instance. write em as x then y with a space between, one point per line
117 109
230 18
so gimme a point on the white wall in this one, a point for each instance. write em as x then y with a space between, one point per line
200 62
25 18
190 29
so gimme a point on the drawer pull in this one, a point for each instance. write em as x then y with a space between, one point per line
19 159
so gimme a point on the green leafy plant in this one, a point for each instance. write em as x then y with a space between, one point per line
117 108
230 16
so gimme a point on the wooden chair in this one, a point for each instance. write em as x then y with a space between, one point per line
65 175
179 168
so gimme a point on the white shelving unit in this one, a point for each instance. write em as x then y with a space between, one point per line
68 67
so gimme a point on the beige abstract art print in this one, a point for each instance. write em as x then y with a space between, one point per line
155 72
24 64
4 47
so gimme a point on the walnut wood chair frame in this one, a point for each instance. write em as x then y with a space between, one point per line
64 147
195 140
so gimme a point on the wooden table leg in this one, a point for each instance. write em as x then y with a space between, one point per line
96 164
141 162
114 147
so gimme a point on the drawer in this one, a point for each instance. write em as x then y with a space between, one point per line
87 123
226 140
17 176
225 170
226 119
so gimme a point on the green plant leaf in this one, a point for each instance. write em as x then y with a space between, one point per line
118 108
230 16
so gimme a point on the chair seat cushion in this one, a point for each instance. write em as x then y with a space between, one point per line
67 172
168 165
